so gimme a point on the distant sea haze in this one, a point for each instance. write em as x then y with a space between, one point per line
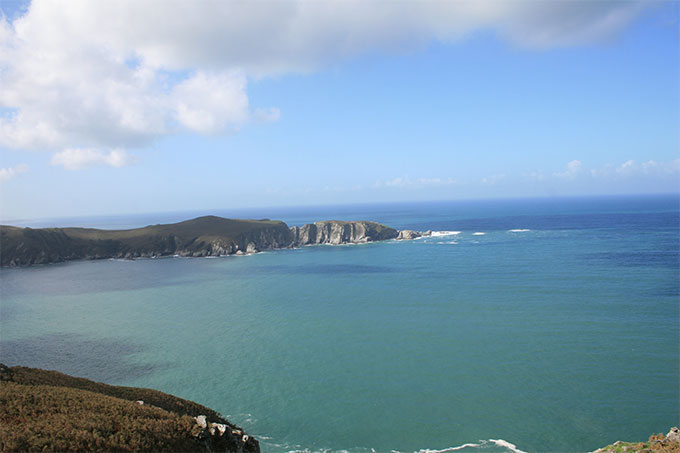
519 325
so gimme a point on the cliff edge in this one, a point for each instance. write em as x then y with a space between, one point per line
49 411
670 443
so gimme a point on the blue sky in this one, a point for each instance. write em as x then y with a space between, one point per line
577 98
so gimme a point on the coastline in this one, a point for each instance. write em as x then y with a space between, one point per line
207 236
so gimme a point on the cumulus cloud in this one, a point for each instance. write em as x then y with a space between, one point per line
209 103
11 172
79 159
83 74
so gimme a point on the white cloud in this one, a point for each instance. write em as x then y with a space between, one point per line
574 169
493 179
628 169
280 36
209 103
405 181
79 159
399 182
8 173
82 74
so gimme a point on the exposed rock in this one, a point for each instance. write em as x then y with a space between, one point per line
408 234
337 232
221 437
656 443
201 421
221 428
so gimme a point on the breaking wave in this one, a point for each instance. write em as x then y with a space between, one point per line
444 233
489 445
482 445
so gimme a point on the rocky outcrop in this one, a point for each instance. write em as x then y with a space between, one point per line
670 443
336 232
224 437
411 234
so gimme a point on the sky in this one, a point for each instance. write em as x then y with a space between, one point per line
125 107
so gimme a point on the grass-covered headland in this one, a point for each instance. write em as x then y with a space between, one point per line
50 411
203 236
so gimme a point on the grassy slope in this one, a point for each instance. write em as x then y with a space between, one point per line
29 246
49 410
33 376
657 443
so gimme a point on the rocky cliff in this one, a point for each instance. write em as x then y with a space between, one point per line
203 236
336 232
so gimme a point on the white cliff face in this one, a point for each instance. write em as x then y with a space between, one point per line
335 232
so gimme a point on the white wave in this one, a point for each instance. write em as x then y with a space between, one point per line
478 233
444 233
481 445
460 447
506 444
519 230
498 442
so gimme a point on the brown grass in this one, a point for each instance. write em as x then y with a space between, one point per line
50 411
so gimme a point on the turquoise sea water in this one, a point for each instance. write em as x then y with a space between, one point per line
558 329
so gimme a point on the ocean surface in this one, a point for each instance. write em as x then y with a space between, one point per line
521 325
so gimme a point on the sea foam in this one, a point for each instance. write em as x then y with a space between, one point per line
482 443
444 233
519 230
506 444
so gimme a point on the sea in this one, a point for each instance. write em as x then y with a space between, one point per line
523 325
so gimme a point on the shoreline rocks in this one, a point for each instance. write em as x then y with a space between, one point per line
670 443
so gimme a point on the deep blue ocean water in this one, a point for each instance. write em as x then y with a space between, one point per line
557 329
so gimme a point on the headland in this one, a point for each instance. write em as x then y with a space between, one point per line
199 237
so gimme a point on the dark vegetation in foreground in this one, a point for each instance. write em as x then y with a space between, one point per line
47 410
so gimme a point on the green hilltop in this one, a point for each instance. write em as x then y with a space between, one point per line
209 235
